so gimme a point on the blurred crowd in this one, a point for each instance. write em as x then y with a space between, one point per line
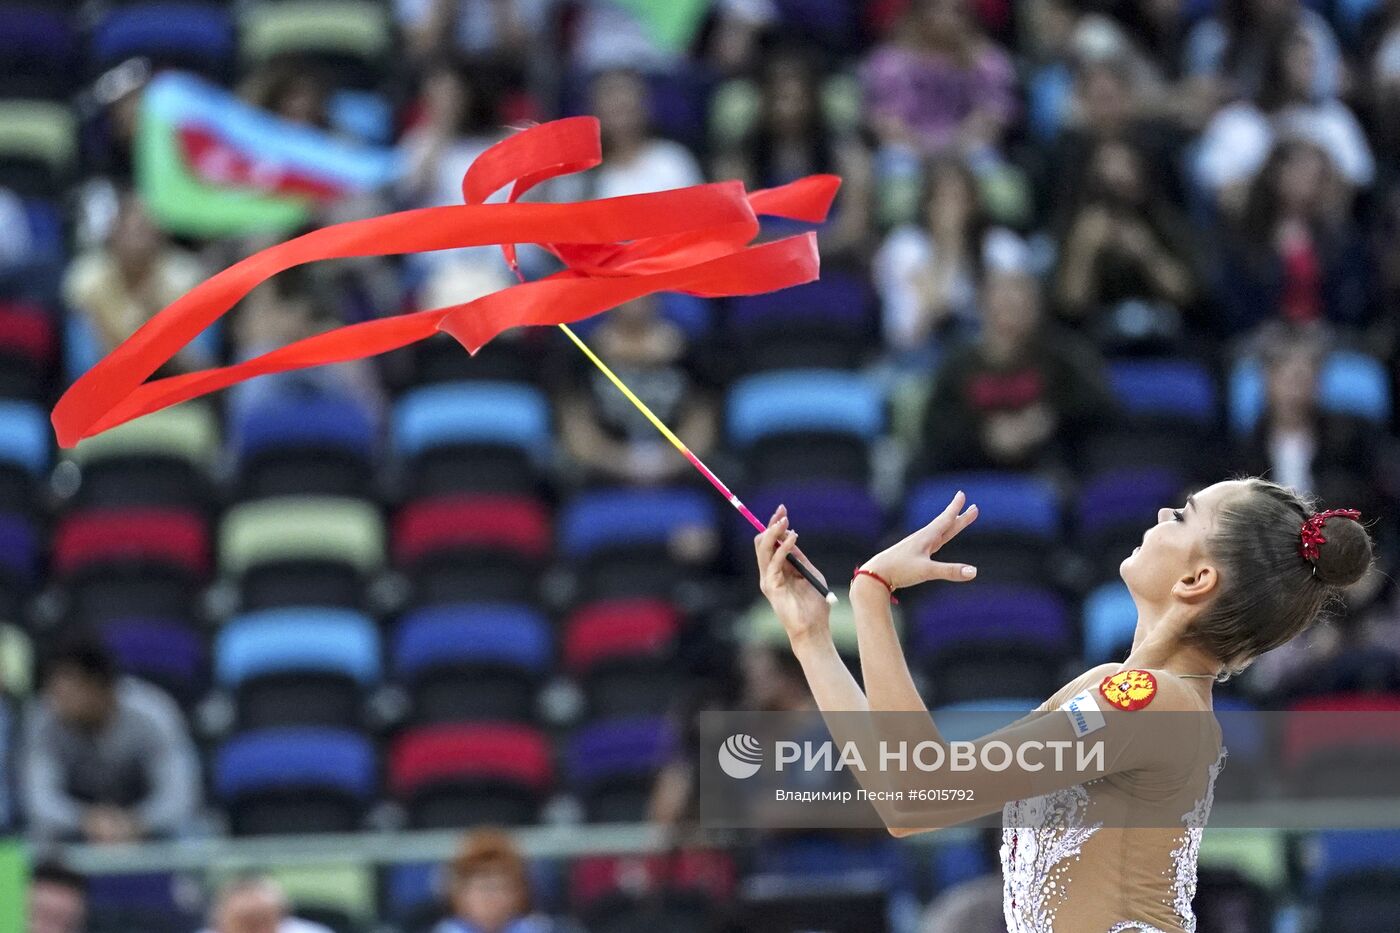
1032 192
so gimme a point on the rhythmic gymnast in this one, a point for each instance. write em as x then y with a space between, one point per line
1243 567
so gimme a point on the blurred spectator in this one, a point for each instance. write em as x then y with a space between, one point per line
57 899
1232 47
489 889
635 160
1020 397
1126 253
604 432
122 284
106 758
291 307
1296 443
1238 140
927 274
1292 253
497 29
458 123
940 83
791 139
256 904
294 90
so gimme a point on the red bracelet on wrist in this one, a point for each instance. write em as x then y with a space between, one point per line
871 573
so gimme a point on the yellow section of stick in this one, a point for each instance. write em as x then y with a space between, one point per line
641 406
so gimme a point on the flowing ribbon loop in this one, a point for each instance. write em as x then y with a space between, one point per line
690 240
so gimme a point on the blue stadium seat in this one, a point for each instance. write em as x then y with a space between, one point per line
1349 383
298 665
1335 853
196 36
806 424
627 519
167 652
612 764
38 51
830 323
1010 504
472 661
311 444
1175 389
804 400
25 437
295 780
472 436
1110 619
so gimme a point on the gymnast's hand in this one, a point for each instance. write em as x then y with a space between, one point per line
801 609
910 561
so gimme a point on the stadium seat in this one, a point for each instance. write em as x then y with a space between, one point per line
301 550
618 539
802 424
473 547
312 444
1349 383
1115 508
163 458
16 661
38 146
993 634
828 324
1167 416
441 359
298 666
414 895
28 349
1357 669
20 544
132 562
339 895
465 661
678 890
169 653
24 454
840 522
38 52
472 437
1340 745
1110 620
623 654
1354 879
1018 515
353 37
147 901
295 780
972 719
469 775
194 36
611 765
1247 738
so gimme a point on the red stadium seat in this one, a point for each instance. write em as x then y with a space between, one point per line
110 536
515 523
619 629
450 776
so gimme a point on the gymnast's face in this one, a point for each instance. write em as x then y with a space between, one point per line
1174 559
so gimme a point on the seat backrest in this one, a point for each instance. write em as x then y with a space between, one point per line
184 432
293 756
516 523
628 746
19 547
163 649
480 412
618 629
824 507
596 521
1130 496
1007 502
351 27
1171 388
44 131
994 613
164 27
1110 618
512 753
472 633
804 400
298 639
291 528
320 421
172 536
27 330
24 436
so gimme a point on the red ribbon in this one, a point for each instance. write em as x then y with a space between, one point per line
1311 531
693 240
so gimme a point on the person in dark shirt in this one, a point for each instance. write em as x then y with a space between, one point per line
1019 396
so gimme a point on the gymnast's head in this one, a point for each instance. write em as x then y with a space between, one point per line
1234 572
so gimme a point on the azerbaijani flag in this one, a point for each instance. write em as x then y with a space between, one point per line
209 164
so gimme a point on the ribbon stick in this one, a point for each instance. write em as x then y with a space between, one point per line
695 240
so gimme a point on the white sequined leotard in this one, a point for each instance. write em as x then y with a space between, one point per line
1073 863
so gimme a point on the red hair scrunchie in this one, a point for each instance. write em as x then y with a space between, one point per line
1311 531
